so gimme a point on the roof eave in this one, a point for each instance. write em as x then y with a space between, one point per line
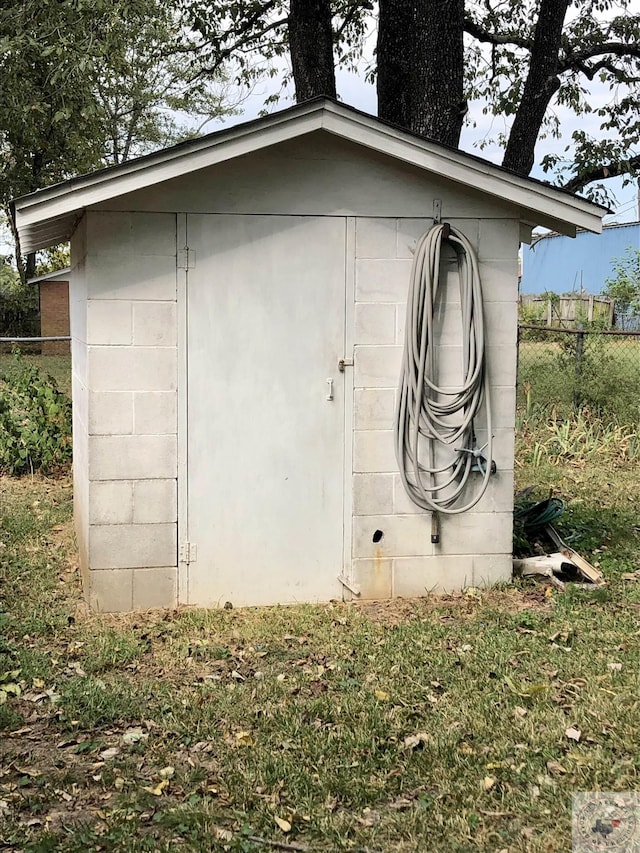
538 201
49 216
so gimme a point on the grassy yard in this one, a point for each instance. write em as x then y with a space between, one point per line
605 378
434 724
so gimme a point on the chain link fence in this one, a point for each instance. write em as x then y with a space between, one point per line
560 371
565 371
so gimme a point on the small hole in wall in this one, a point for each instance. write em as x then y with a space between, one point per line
377 536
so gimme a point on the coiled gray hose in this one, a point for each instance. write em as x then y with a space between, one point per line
427 414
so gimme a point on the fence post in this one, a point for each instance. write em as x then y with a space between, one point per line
579 355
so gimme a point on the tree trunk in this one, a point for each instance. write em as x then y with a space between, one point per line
16 242
30 266
311 48
420 58
541 85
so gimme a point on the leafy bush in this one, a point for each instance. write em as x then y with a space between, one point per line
35 421
18 304
624 287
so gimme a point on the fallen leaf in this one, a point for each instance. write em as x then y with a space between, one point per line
119 783
524 690
167 773
221 834
244 739
132 736
284 825
109 753
616 667
29 771
157 791
369 818
34 697
415 741
64 794
489 782
519 711
54 697
555 768
381 695
573 734
9 688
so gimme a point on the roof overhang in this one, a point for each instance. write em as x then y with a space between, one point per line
49 216
57 275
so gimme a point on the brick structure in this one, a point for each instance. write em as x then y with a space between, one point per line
54 315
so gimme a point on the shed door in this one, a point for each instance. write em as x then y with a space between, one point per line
265 454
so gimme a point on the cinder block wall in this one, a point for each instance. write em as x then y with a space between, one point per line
131 354
54 316
131 366
475 547
79 390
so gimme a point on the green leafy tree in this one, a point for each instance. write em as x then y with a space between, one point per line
89 83
624 286
525 59
18 303
148 95
48 120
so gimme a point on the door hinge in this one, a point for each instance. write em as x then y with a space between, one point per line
344 362
347 584
187 259
188 552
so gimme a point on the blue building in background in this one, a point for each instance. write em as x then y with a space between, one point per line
579 264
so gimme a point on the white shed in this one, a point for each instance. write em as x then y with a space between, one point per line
237 314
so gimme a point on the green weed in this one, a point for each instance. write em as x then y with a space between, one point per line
35 421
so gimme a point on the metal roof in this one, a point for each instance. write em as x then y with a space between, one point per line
49 216
56 275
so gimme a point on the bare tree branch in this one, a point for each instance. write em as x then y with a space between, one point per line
474 29
574 61
250 40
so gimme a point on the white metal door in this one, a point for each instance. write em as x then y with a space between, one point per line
265 408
